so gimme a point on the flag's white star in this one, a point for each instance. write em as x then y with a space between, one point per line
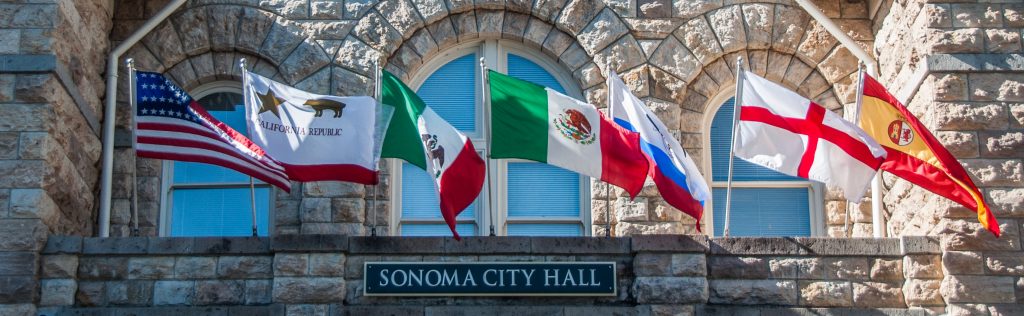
145 99
162 112
145 111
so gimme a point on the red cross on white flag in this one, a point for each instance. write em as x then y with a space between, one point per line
784 131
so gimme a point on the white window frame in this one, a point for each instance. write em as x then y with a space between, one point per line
167 184
815 194
495 53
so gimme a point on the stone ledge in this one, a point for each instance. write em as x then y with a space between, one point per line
503 245
274 309
669 243
975 62
29 63
730 310
63 244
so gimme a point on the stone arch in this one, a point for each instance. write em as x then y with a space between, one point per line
209 48
407 40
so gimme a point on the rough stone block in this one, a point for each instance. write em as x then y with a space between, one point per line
102 268
1004 263
63 244
291 264
114 245
847 268
923 292
231 245
887 270
195 267
797 268
327 264
91 293
308 290
130 293
258 292
753 292
174 292
22 235
971 236
962 262
670 290
825 293
652 264
219 292
60 266
18 309
877 294
150 267
244 267
738 268
18 263
922 267
57 292
978 289
689 265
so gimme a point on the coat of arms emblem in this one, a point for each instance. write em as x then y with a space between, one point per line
574 125
435 152
900 133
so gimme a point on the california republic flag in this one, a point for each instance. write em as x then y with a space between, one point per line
422 138
316 137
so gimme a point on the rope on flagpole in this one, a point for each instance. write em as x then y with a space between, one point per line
252 183
130 62
487 125
737 101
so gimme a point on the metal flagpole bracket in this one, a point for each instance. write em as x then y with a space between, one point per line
737 101
487 129
130 63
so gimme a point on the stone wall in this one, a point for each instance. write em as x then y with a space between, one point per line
676 55
51 62
658 275
967 55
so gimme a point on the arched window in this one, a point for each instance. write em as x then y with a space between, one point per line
206 200
530 198
764 202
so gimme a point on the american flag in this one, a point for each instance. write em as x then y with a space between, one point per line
171 125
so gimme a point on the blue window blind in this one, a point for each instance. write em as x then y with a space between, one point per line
451 92
419 198
721 140
217 211
545 230
541 190
437 229
764 212
525 69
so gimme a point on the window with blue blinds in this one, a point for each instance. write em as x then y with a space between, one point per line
451 92
525 69
756 211
198 206
764 212
540 200
420 202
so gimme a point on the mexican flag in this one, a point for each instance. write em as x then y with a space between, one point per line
419 136
529 121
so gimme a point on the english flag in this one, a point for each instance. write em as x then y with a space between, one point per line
316 137
673 171
915 155
783 131
170 125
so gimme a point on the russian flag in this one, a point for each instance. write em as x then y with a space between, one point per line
674 172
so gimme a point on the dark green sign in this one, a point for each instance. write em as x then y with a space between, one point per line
489 279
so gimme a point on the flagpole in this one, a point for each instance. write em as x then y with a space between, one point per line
737 101
856 120
130 62
252 184
487 132
373 200
608 186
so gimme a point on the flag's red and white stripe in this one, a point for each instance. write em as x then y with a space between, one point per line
207 141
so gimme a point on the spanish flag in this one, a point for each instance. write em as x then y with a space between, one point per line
915 155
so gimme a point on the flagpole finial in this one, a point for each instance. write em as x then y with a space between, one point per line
130 62
483 63
241 63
